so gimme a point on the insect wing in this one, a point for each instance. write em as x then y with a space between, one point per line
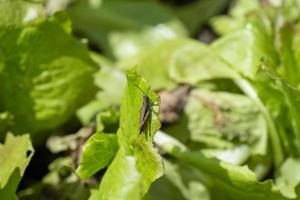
145 112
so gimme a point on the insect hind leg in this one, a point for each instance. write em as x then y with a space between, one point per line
149 126
155 104
155 112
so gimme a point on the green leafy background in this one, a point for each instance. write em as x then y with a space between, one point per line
221 76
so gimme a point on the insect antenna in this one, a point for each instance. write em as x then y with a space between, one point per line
144 93
152 104
148 90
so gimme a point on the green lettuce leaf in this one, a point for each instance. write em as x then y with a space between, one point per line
98 152
137 163
235 181
236 18
20 13
180 181
111 82
256 38
289 177
242 10
289 99
154 62
180 61
123 29
222 120
43 80
122 180
16 154
108 120
197 62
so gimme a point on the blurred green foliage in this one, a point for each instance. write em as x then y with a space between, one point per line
75 74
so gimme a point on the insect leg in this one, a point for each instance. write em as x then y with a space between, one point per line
143 119
156 113
157 102
149 125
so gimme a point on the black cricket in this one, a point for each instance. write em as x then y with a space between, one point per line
146 111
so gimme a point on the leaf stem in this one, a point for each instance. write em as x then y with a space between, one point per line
247 88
